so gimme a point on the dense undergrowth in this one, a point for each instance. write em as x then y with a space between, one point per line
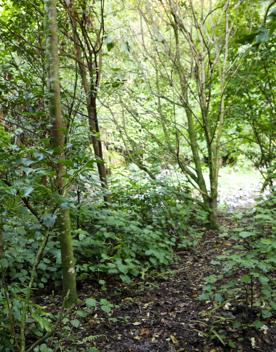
116 119
243 294
138 232
141 231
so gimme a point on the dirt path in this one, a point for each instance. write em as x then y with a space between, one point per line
163 315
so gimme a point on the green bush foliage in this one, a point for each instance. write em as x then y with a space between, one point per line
138 232
13 305
243 294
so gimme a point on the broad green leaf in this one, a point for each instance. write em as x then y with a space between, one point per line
91 302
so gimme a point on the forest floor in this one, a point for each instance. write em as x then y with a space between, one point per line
163 313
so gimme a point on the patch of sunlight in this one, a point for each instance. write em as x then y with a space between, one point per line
238 188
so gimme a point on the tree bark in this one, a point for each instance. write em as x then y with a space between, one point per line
90 86
1 242
95 139
209 197
58 140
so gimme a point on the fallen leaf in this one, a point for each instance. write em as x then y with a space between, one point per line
136 323
144 332
174 340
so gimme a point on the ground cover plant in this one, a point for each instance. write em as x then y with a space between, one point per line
243 294
137 175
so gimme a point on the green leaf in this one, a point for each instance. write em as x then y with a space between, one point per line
49 220
28 191
232 344
26 162
263 280
236 324
106 306
44 323
91 302
125 278
204 297
110 46
262 36
266 314
245 234
246 279
218 297
258 324
82 313
65 205
211 279
75 322
44 348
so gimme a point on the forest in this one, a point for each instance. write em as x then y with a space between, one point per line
137 175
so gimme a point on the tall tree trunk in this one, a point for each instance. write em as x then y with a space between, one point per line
213 202
95 138
213 166
209 197
214 146
1 223
1 242
55 113
90 89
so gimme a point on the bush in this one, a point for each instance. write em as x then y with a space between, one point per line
163 205
12 310
243 294
116 243
138 232
21 243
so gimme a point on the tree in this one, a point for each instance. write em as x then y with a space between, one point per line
87 37
183 60
55 114
251 95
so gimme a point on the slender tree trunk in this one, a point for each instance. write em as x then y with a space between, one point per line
214 147
90 89
209 197
1 242
55 113
213 203
1 224
95 138
213 213
213 166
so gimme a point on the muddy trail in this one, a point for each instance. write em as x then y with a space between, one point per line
163 313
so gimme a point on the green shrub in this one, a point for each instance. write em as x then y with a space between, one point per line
164 205
138 232
11 314
148 197
116 243
243 294
21 243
